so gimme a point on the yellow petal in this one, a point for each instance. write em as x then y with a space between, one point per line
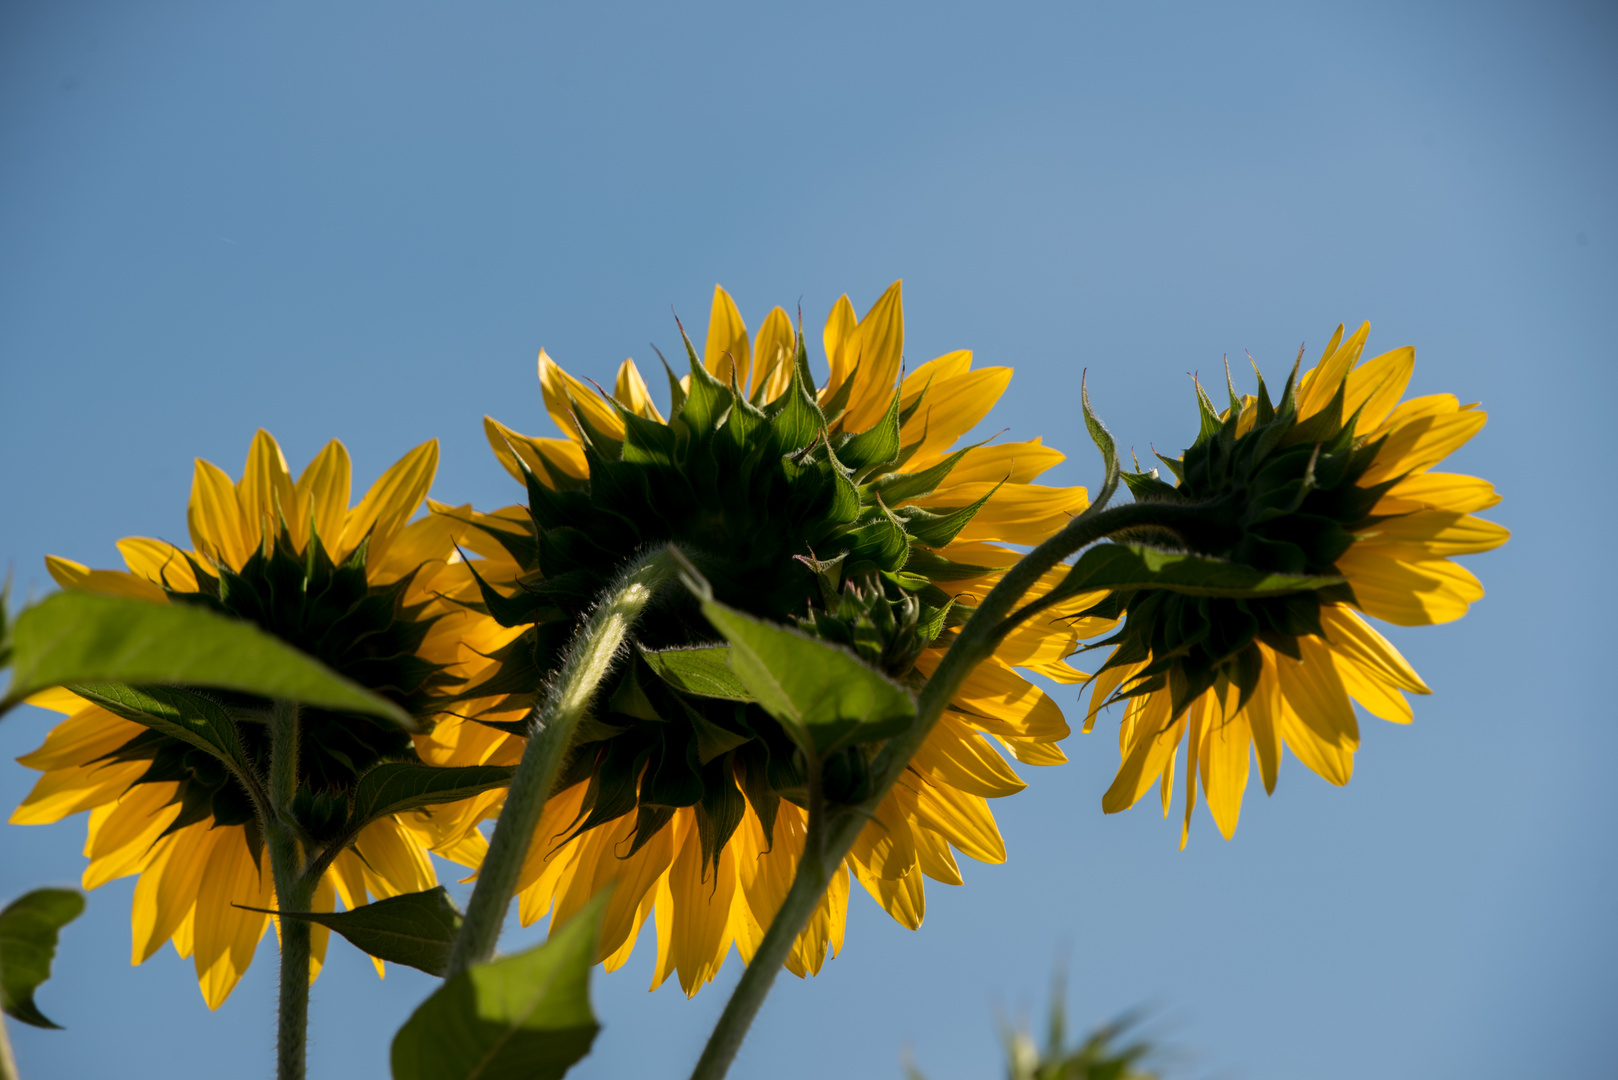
956 755
215 517
391 502
701 913
1030 752
1015 514
265 492
227 935
71 575
996 699
774 353
567 398
1316 695
1376 386
1444 492
121 834
953 406
1264 721
1417 444
82 738
726 353
167 893
964 820
840 326
1318 387
322 492
1440 534
1405 586
879 349
158 561
629 390
1014 463
825 928
1225 754
1351 637
1148 752
563 455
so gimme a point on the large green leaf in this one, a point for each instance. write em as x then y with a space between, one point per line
417 929
178 713
823 695
703 671
396 786
1124 567
523 1017
74 637
28 928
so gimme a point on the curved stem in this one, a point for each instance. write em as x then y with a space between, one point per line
976 642
589 659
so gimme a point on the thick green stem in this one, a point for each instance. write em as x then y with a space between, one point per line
283 755
975 643
293 892
589 659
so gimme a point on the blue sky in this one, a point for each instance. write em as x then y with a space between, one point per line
362 222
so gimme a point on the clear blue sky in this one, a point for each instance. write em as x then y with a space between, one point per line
363 221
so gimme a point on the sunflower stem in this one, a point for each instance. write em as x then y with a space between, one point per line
589 658
828 844
8 1063
293 891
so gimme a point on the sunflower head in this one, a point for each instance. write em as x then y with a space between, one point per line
362 589
1263 489
788 515
1330 490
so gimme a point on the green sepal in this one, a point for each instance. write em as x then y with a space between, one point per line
937 530
29 928
526 1016
877 447
415 929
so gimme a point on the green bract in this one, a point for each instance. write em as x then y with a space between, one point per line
781 515
1266 515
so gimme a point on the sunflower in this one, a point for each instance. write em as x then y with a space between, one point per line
363 590
845 509
1334 483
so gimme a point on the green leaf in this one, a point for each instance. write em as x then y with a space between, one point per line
522 1017
177 713
74 637
417 929
396 786
28 928
703 671
823 695
1124 567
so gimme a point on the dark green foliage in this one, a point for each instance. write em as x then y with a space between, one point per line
1278 504
778 510
417 929
28 930
522 1017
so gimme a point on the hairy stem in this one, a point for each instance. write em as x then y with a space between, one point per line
293 891
589 658
823 854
